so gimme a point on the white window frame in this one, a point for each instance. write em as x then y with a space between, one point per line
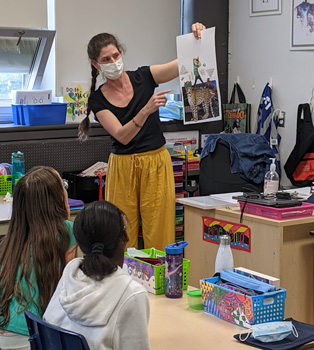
39 63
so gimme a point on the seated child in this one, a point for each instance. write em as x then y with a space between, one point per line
95 296
37 246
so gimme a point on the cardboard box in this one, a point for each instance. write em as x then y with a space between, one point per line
152 277
240 309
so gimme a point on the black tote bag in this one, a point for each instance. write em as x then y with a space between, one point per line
300 164
236 116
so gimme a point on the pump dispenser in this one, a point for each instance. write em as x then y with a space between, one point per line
271 182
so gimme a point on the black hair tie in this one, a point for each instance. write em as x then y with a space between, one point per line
98 248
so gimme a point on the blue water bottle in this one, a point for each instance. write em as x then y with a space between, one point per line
18 167
174 269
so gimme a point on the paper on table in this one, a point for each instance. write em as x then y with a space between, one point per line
303 192
227 196
203 202
5 211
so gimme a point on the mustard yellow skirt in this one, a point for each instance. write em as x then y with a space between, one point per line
143 185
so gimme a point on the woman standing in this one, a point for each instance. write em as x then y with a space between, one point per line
140 177
37 246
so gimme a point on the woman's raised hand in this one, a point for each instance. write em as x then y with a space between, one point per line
157 100
197 28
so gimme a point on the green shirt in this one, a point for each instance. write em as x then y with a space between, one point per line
17 323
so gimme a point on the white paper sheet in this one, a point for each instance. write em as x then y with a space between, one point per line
199 77
204 202
5 211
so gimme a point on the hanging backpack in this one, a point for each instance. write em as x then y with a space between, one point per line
300 164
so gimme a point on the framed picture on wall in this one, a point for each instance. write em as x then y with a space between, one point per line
302 25
265 7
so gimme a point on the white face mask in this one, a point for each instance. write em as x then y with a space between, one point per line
111 70
272 331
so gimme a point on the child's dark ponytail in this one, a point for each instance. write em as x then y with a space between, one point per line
97 266
100 231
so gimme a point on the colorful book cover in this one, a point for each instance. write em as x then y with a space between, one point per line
76 96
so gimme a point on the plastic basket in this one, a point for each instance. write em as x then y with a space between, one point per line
304 210
43 114
180 194
5 184
152 277
178 176
179 209
179 219
177 165
18 114
179 231
241 309
178 187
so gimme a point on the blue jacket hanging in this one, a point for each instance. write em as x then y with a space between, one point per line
249 154
267 123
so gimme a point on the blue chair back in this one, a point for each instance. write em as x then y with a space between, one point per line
44 336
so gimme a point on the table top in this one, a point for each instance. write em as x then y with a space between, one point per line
173 325
224 206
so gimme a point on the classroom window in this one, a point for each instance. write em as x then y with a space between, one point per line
23 58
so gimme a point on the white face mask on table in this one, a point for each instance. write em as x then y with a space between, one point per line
111 70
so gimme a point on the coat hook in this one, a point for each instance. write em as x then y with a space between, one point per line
270 82
312 95
20 33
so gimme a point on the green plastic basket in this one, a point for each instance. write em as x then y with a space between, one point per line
5 184
136 269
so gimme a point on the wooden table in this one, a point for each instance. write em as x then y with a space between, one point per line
173 325
283 249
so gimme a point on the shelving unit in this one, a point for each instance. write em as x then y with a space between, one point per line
185 187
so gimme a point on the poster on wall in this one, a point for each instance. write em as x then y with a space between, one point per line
265 7
199 77
302 25
240 234
76 96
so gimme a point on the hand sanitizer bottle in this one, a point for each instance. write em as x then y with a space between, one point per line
271 182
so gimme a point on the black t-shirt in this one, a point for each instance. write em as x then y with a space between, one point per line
150 137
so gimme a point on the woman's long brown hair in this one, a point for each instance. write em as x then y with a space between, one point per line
94 47
36 241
